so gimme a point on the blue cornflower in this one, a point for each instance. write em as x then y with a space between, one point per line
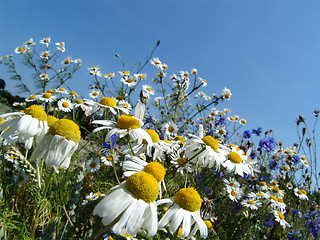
220 121
113 139
267 144
294 235
295 159
148 119
253 155
247 134
268 221
257 131
273 164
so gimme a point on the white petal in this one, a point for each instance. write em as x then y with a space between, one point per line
176 220
119 226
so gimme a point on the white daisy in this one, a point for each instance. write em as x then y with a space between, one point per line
45 41
25 126
170 129
180 161
253 204
22 49
67 61
61 46
65 105
126 125
184 212
148 89
132 204
237 162
127 80
93 164
301 194
31 98
95 93
58 144
226 94
111 104
47 97
45 54
279 217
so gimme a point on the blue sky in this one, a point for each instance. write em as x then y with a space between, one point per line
266 51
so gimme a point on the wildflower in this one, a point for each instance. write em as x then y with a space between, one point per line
301 194
45 54
61 46
111 104
242 121
170 129
126 125
93 164
247 134
185 211
95 93
156 62
67 61
45 41
47 97
127 80
180 161
237 161
279 217
94 71
194 71
25 126
31 98
65 105
21 49
133 204
267 144
226 94
257 131
44 77
58 144
148 89
253 204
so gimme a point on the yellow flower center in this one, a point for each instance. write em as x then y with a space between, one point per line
250 202
46 95
167 141
273 198
93 164
182 162
21 49
211 142
179 138
66 62
110 158
156 170
208 223
171 129
66 128
188 198
259 195
72 93
280 215
149 89
127 122
221 131
50 91
110 102
262 183
51 120
233 193
36 112
32 97
235 157
280 200
275 189
153 134
301 191
143 186
119 98
79 101
232 184
65 104
95 94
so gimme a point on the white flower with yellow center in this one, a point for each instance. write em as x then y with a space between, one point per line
276 191
95 93
203 82
73 95
25 126
65 105
251 203
21 49
31 98
279 217
127 80
148 89
156 62
45 41
207 150
125 104
133 164
301 194
45 54
93 164
237 162
170 129
226 94
61 46
126 125
181 162
47 97
61 90
184 212
132 205
67 61
159 147
234 194
58 144
86 105
111 104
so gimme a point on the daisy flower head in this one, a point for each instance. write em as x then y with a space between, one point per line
243 121
61 90
47 97
111 104
61 46
304 161
179 159
184 212
140 76
31 98
170 129
279 217
58 144
45 41
73 94
301 194
67 61
194 71
234 194
276 191
24 126
203 82
237 162
156 62
124 104
21 49
126 125
132 204
127 80
221 131
93 164
251 203
65 105
45 54
226 94
95 93
30 42
95 71
148 89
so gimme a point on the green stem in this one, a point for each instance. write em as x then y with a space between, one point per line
98 233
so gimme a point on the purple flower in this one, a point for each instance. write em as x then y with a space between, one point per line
257 131
267 144
247 134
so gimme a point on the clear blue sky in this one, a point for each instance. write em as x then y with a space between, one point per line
266 51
